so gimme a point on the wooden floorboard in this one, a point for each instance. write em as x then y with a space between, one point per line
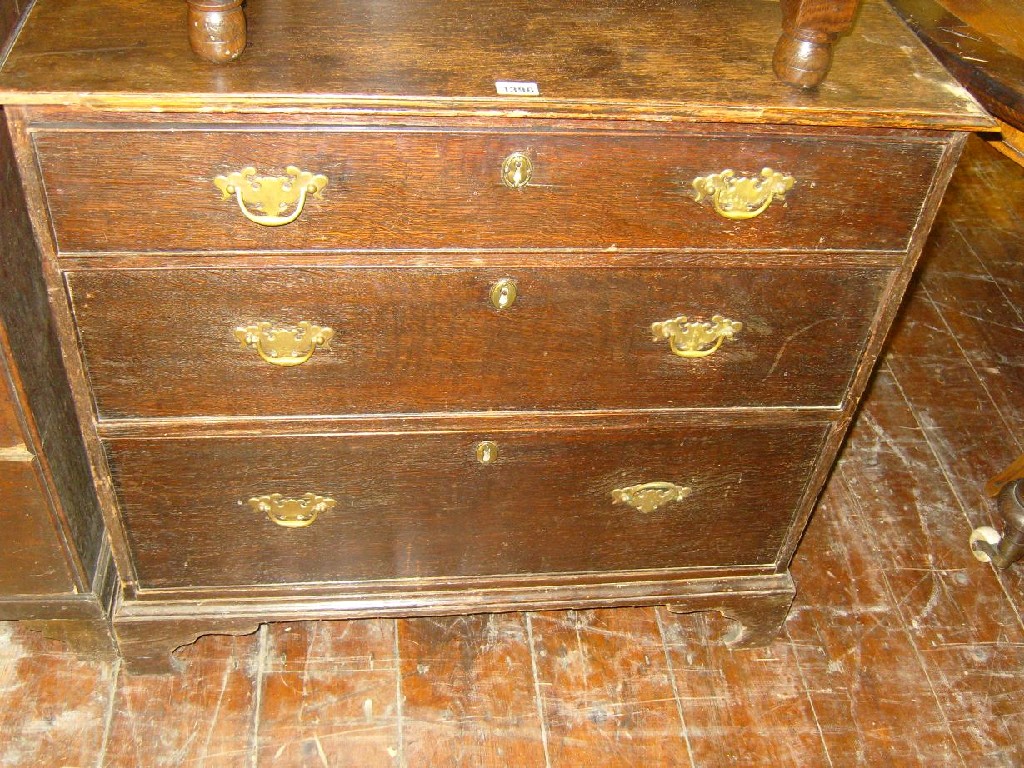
606 689
330 695
469 692
201 717
901 648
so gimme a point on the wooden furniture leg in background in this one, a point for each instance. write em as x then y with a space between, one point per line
1006 548
809 30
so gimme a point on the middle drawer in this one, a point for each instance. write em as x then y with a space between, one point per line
230 342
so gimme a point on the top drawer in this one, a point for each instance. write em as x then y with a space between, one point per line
154 190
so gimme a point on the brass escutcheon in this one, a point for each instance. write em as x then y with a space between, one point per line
517 170
266 200
742 197
486 452
292 513
503 293
285 346
650 496
694 338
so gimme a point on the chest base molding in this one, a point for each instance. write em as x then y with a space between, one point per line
148 632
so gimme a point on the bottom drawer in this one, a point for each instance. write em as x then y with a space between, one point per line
438 504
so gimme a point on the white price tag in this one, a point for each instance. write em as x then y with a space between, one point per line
516 89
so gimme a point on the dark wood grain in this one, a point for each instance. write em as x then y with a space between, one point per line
74 412
90 638
417 340
28 340
401 189
756 620
80 618
148 647
597 56
55 566
405 503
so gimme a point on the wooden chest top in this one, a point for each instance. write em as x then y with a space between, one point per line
654 59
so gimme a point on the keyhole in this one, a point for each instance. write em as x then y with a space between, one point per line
503 293
517 170
486 452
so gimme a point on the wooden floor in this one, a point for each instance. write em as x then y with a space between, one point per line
901 648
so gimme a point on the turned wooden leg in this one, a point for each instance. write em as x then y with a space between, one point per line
148 646
809 30
1003 549
759 617
989 545
216 29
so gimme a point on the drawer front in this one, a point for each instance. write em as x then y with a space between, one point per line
162 343
155 190
33 560
424 505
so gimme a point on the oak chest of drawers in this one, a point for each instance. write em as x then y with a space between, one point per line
352 334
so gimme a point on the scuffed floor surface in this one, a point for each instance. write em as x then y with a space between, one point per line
901 648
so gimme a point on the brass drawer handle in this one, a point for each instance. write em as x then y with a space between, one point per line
292 513
516 171
285 346
271 196
742 197
650 496
693 338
